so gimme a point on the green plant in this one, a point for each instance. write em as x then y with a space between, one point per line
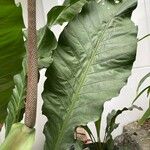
95 51
108 142
146 115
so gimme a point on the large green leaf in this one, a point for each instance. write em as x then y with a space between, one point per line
20 138
92 62
11 50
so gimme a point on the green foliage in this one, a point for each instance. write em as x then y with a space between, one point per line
146 115
108 143
91 64
65 13
46 44
95 52
17 101
20 138
112 125
11 50
142 81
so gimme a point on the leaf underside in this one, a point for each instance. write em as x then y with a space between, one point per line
91 64
11 50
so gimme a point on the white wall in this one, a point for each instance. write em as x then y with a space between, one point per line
141 17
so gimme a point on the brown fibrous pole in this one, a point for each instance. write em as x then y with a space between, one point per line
32 67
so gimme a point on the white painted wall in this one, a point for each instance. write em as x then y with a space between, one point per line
141 17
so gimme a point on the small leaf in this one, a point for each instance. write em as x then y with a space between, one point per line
111 119
65 13
46 44
112 125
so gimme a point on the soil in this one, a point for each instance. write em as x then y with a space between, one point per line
135 137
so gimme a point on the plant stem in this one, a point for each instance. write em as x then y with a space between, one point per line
144 37
32 67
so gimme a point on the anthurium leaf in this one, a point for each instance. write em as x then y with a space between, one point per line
66 12
11 50
16 105
20 138
92 62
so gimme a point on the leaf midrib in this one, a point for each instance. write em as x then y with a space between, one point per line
81 81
